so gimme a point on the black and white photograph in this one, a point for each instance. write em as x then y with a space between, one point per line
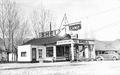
59 37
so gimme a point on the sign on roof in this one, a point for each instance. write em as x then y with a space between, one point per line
74 36
48 33
75 26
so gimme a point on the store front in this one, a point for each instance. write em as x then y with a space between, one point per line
75 49
63 52
67 50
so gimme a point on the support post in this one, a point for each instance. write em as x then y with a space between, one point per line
54 52
93 51
72 52
86 52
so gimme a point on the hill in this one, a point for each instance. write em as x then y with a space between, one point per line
107 45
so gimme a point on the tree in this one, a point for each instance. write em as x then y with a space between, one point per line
22 33
9 23
3 19
41 19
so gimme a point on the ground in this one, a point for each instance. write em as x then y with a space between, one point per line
62 68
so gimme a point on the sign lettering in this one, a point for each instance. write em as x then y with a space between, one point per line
48 33
64 42
75 27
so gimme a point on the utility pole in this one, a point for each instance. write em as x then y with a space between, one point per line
50 29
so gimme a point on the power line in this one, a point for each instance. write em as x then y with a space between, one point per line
99 13
103 12
108 25
94 31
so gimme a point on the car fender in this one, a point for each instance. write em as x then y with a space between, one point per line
116 57
100 57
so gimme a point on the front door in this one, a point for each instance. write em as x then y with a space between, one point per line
67 52
33 54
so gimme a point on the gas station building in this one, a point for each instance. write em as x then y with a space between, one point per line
52 47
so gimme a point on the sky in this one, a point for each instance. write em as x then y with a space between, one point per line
100 19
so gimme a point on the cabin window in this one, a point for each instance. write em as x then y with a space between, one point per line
23 54
40 53
49 52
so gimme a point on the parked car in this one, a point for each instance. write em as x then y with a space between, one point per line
108 55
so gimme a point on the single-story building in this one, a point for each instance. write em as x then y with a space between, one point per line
56 48
5 54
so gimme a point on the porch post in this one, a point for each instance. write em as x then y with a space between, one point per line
86 52
93 51
54 52
72 51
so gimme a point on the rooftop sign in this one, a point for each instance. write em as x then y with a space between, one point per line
48 33
74 36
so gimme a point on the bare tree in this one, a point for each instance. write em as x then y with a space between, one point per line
22 33
9 23
41 19
3 19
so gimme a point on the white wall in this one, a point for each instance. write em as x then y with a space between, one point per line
12 57
27 49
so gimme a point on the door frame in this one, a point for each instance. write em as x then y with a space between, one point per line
34 55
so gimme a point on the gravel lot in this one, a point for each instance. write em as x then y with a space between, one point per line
62 68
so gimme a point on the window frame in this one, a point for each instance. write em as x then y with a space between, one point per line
40 53
23 54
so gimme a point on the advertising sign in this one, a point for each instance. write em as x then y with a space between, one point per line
75 27
84 42
74 36
62 42
48 33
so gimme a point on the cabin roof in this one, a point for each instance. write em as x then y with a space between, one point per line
46 40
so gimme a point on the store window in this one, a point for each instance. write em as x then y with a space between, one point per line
49 52
40 53
23 54
60 51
